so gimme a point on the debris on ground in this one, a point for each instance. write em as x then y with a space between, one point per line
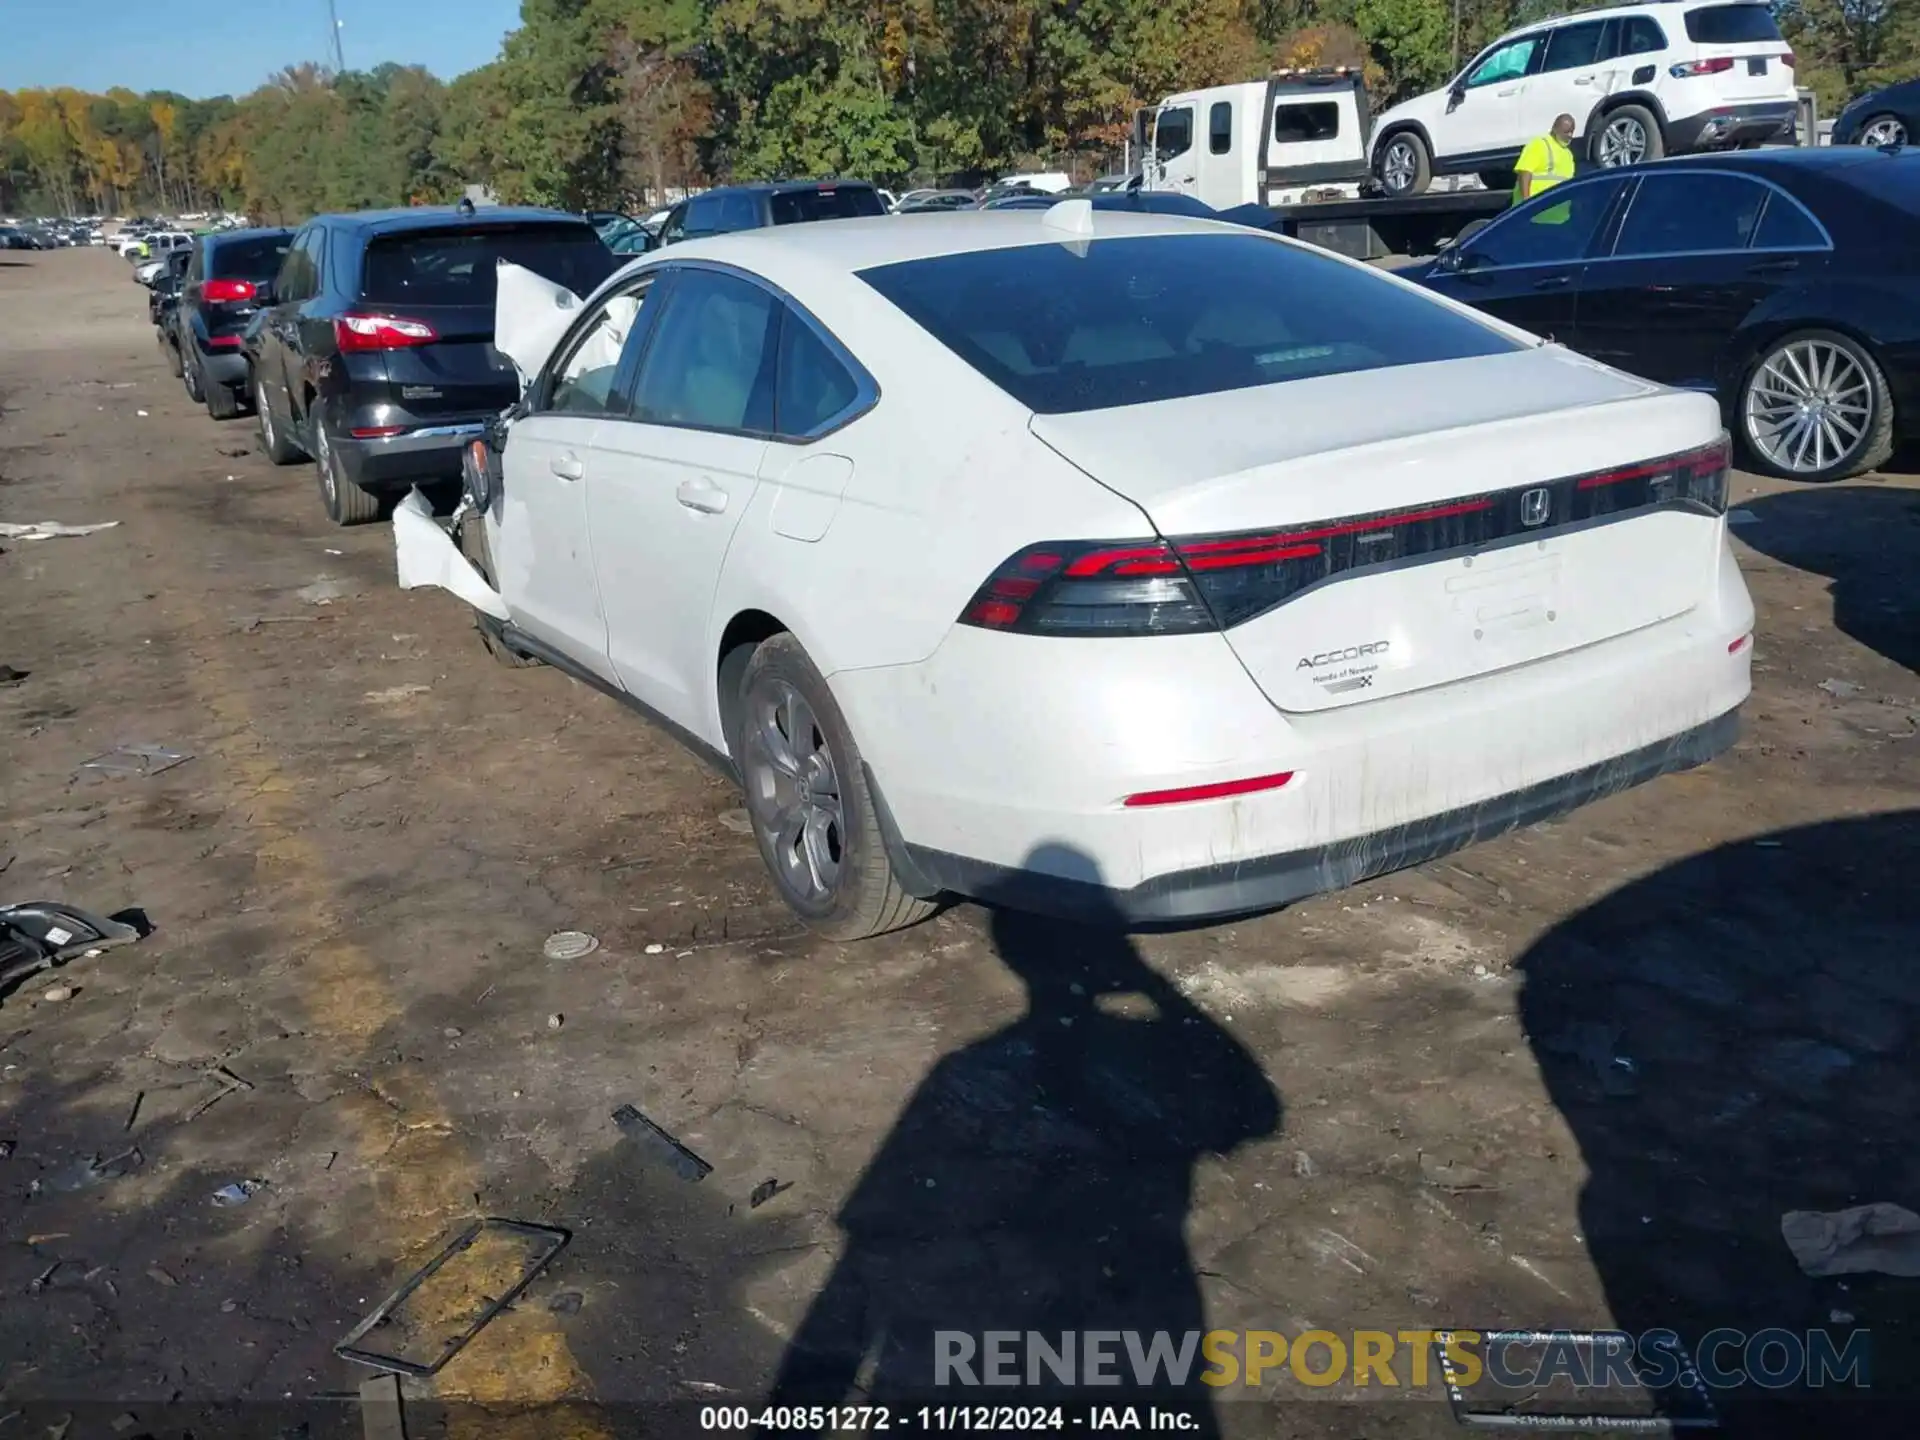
44 934
161 1277
229 1083
765 1191
738 821
321 592
50 530
570 945
397 693
254 622
1458 1179
567 1302
381 1416
493 1260
658 1144
237 1193
133 1113
94 1171
1842 689
1878 1239
11 676
656 949
556 1020
6 1149
43 1279
138 760
54 994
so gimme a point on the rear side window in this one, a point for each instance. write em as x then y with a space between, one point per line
254 259
711 365
1293 124
1785 226
1642 37
456 265
793 207
1155 318
1691 214
1220 127
814 387
1731 25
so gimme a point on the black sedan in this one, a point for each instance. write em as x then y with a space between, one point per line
1786 282
1885 117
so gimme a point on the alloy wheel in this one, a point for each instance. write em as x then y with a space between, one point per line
1808 406
793 791
1884 131
265 412
1623 142
1397 166
323 456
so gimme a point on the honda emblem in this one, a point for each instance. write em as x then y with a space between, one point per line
1535 505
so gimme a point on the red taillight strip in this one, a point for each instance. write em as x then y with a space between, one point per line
1220 791
1717 453
1133 560
1734 647
379 432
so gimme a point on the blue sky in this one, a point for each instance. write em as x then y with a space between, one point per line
227 47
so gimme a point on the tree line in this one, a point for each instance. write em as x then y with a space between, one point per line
603 103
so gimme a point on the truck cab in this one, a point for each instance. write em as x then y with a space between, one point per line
1263 142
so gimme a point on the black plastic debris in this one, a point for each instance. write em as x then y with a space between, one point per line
11 676
567 1302
657 1144
765 1191
494 1260
42 934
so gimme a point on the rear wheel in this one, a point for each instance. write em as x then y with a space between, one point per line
278 448
1883 130
346 503
190 377
813 816
1627 136
1816 406
1405 166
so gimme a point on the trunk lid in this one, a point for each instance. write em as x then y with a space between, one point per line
458 374
1748 36
1402 556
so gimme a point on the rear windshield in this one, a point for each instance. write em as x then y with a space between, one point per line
1136 320
1731 25
456 266
252 259
790 207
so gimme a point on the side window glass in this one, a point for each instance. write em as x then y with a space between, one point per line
1644 37
583 381
711 365
1785 226
1552 228
1690 214
740 211
702 216
1173 135
676 226
286 285
1509 62
814 387
1220 128
1572 46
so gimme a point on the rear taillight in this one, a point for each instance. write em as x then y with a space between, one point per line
228 291
224 342
1686 69
381 332
378 432
1188 584
1787 60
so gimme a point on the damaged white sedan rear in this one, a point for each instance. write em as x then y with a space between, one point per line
1130 568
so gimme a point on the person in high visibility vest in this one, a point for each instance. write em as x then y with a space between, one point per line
1546 161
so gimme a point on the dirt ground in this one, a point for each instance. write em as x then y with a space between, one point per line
1571 1078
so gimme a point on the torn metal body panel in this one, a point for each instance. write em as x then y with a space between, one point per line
530 314
425 554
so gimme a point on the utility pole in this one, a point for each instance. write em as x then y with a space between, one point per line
340 58
1456 34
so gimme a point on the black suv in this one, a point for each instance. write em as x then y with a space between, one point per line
376 357
781 202
228 278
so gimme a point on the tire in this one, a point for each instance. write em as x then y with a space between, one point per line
1497 179
190 377
223 403
1829 367
345 502
823 851
1405 167
172 352
274 443
1884 130
473 545
1629 135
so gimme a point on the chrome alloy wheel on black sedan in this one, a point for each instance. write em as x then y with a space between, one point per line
1816 407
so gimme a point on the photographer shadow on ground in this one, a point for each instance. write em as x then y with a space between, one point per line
1037 1181
1732 1038
1865 539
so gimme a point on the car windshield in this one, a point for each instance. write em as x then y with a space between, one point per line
791 207
253 259
1068 328
456 266
1732 25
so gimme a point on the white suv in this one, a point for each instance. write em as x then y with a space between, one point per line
1640 81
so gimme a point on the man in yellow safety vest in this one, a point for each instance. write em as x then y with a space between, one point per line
1546 161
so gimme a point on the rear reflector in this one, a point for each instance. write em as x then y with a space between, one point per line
1189 584
378 432
224 342
1736 646
1787 59
354 333
228 291
1225 789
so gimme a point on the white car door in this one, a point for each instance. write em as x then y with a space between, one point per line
672 478
538 536
1487 114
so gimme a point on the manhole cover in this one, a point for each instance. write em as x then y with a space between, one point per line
570 945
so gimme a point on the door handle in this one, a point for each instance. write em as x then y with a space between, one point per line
1510 90
1773 267
1553 282
702 495
567 466
1583 79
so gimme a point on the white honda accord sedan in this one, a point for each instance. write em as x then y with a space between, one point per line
1137 568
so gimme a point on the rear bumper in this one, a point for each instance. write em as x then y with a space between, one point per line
1726 125
399 461
222 367
1267 882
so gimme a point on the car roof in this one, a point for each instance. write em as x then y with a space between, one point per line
435 217
1654 8
221 237
1787 160
777 187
